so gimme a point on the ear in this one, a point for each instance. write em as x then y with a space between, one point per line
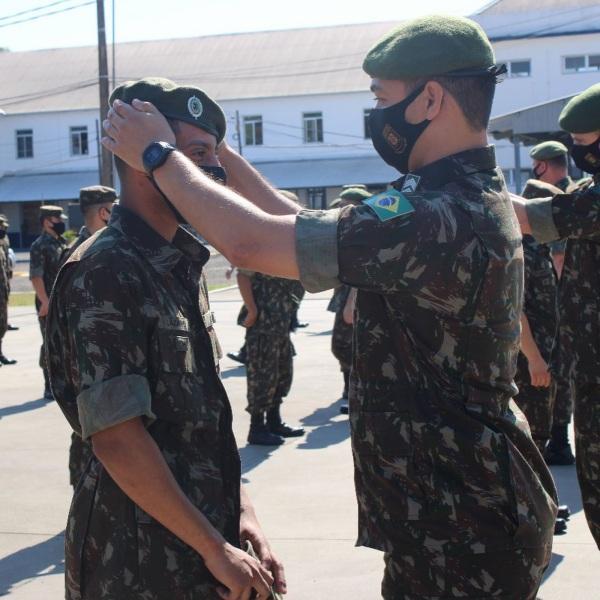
434 95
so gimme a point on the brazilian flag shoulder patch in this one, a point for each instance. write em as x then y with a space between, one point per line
390 205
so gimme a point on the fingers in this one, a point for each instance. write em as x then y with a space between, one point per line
278 572
142 106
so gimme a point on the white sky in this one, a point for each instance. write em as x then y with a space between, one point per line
154 19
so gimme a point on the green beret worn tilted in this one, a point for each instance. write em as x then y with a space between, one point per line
428 46
51 210
184 103
355 194
582 113
96 194
548 150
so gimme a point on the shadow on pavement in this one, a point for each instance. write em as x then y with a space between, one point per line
314 333
45 558
239 371
554 562
25 407
253 456
568 487
326 432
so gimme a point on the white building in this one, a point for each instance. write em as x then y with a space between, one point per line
299 97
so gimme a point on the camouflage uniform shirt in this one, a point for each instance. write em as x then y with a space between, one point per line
126 339
46 255
442 463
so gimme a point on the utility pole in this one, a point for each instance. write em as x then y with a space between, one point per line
237 131
106 171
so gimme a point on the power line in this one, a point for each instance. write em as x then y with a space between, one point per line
48 14
33 10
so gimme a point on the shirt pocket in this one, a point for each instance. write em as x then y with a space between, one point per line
176 351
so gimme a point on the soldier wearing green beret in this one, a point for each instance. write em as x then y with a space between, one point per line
576 216
132 361
449 482
5 246
45 259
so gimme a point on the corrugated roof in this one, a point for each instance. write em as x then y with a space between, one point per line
246 65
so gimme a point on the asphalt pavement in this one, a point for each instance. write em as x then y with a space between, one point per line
303 491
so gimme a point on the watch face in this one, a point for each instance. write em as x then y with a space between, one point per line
154 153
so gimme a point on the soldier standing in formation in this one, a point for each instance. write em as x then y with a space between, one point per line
270 304
5 245
46 255
96 204
133 369
449 482
550 167
5 277
576 217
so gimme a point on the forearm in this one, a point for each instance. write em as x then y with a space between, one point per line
528 345
247 181
247 236
245 286
40 289
134 461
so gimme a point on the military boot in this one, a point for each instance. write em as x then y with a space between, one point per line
277 426
259 434
558 451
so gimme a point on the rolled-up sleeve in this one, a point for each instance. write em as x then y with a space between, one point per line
317 249
541 220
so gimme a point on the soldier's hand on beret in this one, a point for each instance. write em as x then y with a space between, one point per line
521 212
131 129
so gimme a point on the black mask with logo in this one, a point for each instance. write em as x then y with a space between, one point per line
392 135
217 174
587 158
59 228
537 172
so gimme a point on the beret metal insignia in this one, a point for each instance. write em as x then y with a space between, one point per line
195 107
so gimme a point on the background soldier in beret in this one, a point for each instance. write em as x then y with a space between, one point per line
5 246
96 203
449 482
133 368
45 259
550 167
576 216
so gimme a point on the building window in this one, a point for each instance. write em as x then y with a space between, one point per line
24 143
518 68
253 130
313 127
317 198
79 141
366 125
588 63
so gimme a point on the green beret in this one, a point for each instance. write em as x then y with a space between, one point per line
3 221
49 210
548 150
96 194
354 194
335 203
184 103
582 113
539 189
347 186
428 46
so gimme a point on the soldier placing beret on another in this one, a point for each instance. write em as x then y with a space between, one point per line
576 216
449 482
159 512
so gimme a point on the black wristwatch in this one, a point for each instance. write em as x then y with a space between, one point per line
155 156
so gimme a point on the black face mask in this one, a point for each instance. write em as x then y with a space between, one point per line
392 135
2 234
587 158
537 173
107 221
218 174
59 228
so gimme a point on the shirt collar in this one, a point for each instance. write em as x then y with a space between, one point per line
450 168
161 254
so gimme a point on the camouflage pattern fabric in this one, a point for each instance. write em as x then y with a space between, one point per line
126 339
541 308
475 576
576 216
84 234
341 338
444 461
4 291
80 453
269 349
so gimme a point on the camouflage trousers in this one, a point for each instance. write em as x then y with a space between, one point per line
341 342
42 322
587 451
3 318
80 453
505 575
536 403
269 370
563 403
